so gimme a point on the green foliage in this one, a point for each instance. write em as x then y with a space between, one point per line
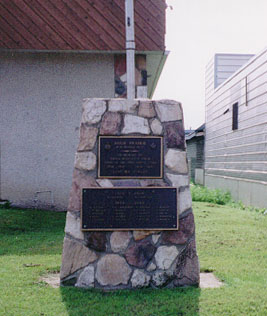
5 204
242 206
203 194
200 193
230 242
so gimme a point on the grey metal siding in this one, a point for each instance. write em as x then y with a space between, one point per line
241 153
195 154
226 65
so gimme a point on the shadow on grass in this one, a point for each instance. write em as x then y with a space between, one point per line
27 231
146 302
15 220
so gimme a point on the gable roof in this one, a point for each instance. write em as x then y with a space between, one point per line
79 25
200 131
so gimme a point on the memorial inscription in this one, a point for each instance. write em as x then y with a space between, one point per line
129 208
130 157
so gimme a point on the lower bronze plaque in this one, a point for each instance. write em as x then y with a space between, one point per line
130 157
129 208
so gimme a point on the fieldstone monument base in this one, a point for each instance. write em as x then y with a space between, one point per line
130 259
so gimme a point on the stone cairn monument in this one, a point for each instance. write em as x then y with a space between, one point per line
130 222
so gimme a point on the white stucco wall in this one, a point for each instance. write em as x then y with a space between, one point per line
40 101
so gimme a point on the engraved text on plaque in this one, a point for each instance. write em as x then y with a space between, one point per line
130 157
129 208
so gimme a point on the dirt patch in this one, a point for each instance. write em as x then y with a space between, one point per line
209 281
52 280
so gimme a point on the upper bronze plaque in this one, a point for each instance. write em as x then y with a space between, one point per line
130 157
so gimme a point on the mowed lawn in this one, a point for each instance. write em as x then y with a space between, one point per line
231 242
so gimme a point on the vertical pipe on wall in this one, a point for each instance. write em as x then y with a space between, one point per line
0 172
246 91
130 48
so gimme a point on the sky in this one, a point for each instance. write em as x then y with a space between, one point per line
195 31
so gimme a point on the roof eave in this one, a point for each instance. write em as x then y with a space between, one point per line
158 70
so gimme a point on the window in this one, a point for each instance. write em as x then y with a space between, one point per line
235 116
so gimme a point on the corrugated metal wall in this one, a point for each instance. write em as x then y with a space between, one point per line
195 154
226 65
238 154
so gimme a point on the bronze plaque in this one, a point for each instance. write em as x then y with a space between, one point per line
130 157
129 209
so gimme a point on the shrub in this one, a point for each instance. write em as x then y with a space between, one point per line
5 204
203 194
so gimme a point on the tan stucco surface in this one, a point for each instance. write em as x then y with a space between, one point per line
41 96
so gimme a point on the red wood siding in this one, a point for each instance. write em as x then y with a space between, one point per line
79 24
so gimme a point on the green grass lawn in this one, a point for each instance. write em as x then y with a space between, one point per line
231 242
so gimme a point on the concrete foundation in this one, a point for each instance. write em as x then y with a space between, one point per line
248 192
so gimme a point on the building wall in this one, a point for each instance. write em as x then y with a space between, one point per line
41 96
226 65
236 160
221 67
195 154
191 155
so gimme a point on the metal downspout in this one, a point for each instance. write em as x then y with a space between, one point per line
130 48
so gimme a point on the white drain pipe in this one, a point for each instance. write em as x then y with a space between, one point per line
130 48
